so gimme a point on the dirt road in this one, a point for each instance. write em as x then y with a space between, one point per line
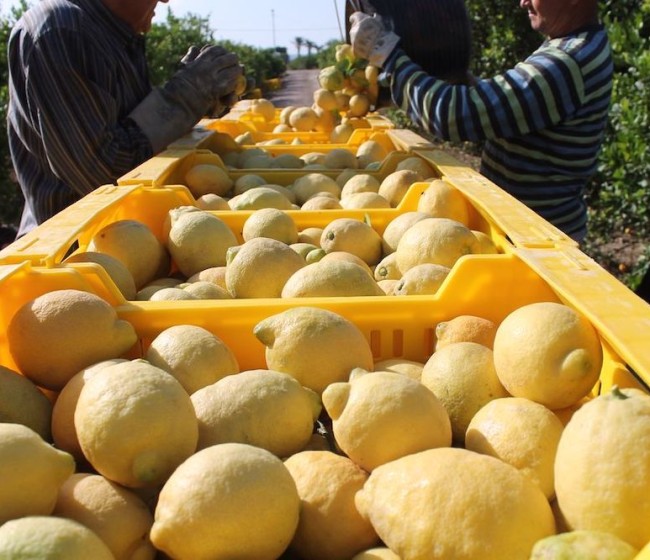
297 89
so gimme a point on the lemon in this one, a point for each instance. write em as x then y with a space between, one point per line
264 408
485 244
116 515
602 469
31 471
396 228
325 99
370 151
359 183
359 105
212 202
340 158
214 274
133 244
466 328
349 257
410 368
261 268
205 179
381 416
331 78
388 286
117 271
77 329
463 377
317 202
198 240
247 182
227 501
452 503
316 346
436 241
330 527
303 249
303 119
442 200
352 236
395 185
331 278
342 132
271 223
549 353
310 235
422 279
287 161
386 269
418 165
308 185
583 545
135 423
365 200
266 196
50 538
264 108
171 294
193 355
64 432
314 158
285 112
21 402
520 432
379 553
206 290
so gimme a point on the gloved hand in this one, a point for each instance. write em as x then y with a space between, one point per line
370 39
171 110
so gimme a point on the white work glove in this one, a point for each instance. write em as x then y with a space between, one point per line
173 109
370 39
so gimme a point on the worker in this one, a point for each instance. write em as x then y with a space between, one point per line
542 121
82 111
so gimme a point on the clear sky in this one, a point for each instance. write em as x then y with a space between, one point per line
260 23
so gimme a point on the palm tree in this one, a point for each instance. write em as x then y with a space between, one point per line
299 42
310 45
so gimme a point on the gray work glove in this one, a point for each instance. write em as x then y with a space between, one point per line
371 39
172 109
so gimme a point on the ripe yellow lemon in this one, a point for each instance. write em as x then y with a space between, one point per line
205 179
486 246
602 470
206 290
21 402
77 328
135 423
422 279
387 269
316 346
283 418
595 545
466 328
364 200
381 416
227 501
394 187
436 241
308 185
212 202
549 353
345 256
331 278
198 240
271 223
463 377
330 527
359 183
116 515
50 538
396 228
410 368
193 355
31 471
370 151
261 268
263 107
352 236
310 235
442 200
117 271
63 429
214 274
135 246
452 503
418 165
520 432
303 119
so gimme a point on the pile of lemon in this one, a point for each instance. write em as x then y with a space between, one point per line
493 447
348 90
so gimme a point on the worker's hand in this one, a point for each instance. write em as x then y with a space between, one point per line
370 39
207 78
